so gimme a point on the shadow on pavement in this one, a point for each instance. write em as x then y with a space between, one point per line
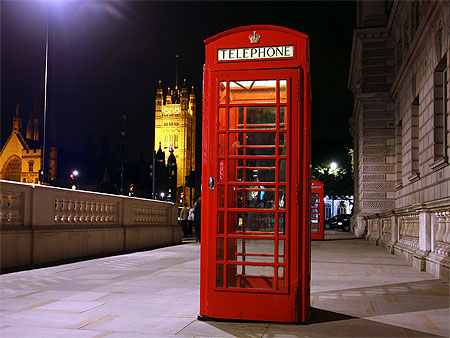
322 316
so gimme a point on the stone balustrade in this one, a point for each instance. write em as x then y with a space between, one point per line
386 229
420 236
41 224
441 240
409 230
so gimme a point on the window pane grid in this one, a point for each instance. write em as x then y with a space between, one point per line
247 272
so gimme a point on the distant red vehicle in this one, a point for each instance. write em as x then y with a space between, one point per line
255 253
317 210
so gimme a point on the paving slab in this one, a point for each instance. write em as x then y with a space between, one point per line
357 290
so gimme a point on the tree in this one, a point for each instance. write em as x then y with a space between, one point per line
338 182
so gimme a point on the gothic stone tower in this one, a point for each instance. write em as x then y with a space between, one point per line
175 127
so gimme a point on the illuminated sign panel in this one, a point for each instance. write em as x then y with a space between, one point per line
255 53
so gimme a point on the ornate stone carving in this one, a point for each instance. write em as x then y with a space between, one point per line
368 115
372 204
376 177
373 195
374 124
374 142
379 186
379 132
374 159
377 168
386 150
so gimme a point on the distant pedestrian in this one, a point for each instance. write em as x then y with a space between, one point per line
191 222
197 220
184 219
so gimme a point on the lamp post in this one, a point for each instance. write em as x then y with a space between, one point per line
333 167
44 162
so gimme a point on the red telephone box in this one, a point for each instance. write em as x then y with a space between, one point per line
317 210
255 254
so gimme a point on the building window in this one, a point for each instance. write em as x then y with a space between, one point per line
166 141
399 54
441 104
12 169
30 166
341 208
414 140
327 210
175 141
399 153
188 147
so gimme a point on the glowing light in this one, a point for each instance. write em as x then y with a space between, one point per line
333 165
75 172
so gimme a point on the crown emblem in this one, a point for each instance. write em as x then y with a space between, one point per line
254 38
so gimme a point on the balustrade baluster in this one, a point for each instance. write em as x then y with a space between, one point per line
64 214
13 215
57 216
441 227
82 212
97 212
112 210
102 212
4 205
446 235
92 212
76 211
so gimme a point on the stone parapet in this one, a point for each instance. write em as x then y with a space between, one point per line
41 225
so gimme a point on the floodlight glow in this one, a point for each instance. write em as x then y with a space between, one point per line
333 165
75 172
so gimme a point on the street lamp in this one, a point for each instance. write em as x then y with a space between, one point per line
333 165
73 177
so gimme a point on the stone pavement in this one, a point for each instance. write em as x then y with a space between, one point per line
358 290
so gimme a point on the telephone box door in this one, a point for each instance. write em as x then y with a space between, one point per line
252 255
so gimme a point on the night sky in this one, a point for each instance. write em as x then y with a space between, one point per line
108 57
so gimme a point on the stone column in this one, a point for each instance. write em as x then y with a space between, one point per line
394 229
424 230
433 231
360 226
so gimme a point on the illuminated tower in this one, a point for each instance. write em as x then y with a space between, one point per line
175 127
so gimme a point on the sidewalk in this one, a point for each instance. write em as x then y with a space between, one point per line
358 290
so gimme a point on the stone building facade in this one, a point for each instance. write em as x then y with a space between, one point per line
21 155
399 75
175 117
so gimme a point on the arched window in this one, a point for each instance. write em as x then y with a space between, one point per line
30 166
12 169
341 208
327 210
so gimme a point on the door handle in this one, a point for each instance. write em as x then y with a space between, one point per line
211 183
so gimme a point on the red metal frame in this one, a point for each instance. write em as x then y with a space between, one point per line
255 254
317 210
